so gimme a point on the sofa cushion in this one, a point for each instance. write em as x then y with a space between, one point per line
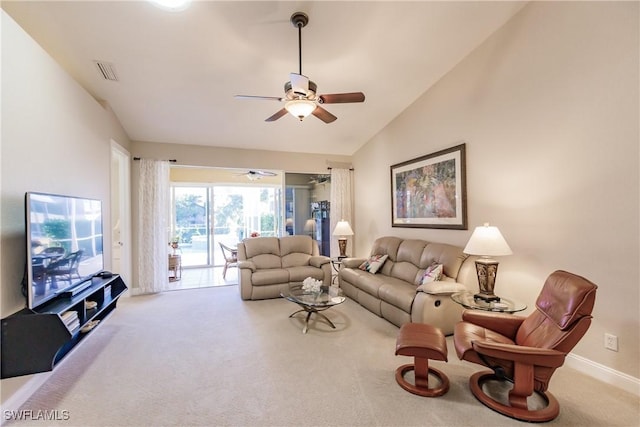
373 263
397 293
298 274
370 283
269 276
386 246
451 258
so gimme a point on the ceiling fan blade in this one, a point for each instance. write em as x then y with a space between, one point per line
341 98
299 83
268 98
324 115
277 115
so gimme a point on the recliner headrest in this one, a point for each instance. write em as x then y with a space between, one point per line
566 297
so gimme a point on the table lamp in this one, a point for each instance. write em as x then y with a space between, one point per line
342 230
310 227
486 241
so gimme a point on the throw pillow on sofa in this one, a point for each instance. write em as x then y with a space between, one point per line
373 264
432 274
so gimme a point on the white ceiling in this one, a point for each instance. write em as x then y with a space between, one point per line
179 71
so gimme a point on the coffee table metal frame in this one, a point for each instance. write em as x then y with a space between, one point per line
313 303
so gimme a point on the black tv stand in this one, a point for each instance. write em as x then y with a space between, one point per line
36 340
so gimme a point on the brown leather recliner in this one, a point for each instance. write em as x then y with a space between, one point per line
527 350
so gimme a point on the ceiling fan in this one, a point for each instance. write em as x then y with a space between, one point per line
254 175
301 97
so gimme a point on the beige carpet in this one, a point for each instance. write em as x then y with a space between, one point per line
203 357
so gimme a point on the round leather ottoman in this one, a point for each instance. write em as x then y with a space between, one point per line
423 342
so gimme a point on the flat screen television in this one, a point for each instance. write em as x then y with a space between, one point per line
64 244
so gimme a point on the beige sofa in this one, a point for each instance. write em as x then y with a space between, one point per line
395 292
267 265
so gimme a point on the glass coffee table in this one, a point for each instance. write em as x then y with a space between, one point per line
314 303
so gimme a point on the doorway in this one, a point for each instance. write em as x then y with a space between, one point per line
120 211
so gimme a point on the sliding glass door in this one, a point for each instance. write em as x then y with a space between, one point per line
206 215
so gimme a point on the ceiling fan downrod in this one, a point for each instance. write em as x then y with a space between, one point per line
299 20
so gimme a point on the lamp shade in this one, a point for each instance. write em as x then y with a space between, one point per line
487 240
300 108
310 225
343 229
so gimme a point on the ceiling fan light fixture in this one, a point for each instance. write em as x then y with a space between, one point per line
300 108
171 5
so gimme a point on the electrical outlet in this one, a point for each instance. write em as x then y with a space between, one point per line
611 342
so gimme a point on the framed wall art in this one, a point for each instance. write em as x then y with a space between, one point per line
430 191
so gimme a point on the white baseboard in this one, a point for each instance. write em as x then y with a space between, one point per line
604 373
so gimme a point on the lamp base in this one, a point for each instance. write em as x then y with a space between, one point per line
342 245
487 270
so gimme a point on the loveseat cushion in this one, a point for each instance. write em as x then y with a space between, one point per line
264 252
269 276
298 274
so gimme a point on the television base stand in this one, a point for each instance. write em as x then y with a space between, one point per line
36 340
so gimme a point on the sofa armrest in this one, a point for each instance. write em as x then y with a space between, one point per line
247 265
352 262
318 261
443 287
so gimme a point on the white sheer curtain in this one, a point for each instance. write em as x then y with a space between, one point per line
341 206
153 238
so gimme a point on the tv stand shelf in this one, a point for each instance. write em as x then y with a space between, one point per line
36 340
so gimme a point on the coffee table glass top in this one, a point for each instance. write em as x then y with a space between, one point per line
313 303
467 300
328 297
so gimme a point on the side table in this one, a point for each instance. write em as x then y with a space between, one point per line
505 305
175 267
336 264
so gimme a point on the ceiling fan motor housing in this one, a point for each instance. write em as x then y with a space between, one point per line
299 19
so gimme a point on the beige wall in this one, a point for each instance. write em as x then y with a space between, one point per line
548 108
55 139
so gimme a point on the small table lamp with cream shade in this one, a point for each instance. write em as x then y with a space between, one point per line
487 241
342 230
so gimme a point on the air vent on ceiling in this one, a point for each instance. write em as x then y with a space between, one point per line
106 70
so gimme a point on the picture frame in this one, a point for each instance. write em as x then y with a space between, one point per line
431 191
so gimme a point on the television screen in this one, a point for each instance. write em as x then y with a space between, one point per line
64 244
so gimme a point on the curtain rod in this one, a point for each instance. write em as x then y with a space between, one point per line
338 168
170 160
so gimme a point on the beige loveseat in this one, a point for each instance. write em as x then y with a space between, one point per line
267 265
396 293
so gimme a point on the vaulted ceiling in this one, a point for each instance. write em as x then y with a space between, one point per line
177 72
